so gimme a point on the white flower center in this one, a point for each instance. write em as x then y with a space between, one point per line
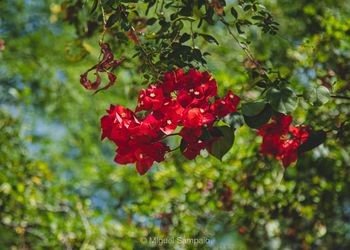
202 110
152 95
196 93
191 90
123 115
223 102
231 96
168 122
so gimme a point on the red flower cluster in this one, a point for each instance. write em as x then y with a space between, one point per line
179 100
276 141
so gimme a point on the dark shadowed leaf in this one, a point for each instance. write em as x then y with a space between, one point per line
209 38
315 139
234 12
235 120
282 100
221 146
253 108
112 20
260 119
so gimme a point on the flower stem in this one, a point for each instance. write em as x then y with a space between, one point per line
174 149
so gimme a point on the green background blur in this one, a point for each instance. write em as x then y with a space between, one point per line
59 186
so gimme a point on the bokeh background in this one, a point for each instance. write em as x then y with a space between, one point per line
59 186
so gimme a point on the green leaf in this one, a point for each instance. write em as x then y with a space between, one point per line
125 25
185 37
235 120
151 21
247 7
234 12
182 145
222 145
282 100
258 17
315 139
112 20
317 96
94 6
260 119
253 108
209 38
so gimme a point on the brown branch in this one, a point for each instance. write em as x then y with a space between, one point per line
341 97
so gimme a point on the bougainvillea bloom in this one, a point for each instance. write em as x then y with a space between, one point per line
282 140
180 100
224 106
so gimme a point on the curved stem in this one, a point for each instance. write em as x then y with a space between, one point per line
174 149
166 136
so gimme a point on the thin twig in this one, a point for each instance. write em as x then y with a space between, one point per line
244 47
166 136
192 36
333 96
104 20
174 149
150 63
340 97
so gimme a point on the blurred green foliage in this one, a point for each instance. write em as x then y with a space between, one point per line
59 187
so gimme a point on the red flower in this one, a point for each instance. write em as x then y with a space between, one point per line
271 145
148 154
191 135
150 98
224 106
116 124
178 100
125 154
194 149
288 153
170 115
279 126
197 117
276 143
193 79
143 155
150 127
171 81
301 133
197 94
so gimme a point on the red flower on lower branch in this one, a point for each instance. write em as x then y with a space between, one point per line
282 140
194 149
143 155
